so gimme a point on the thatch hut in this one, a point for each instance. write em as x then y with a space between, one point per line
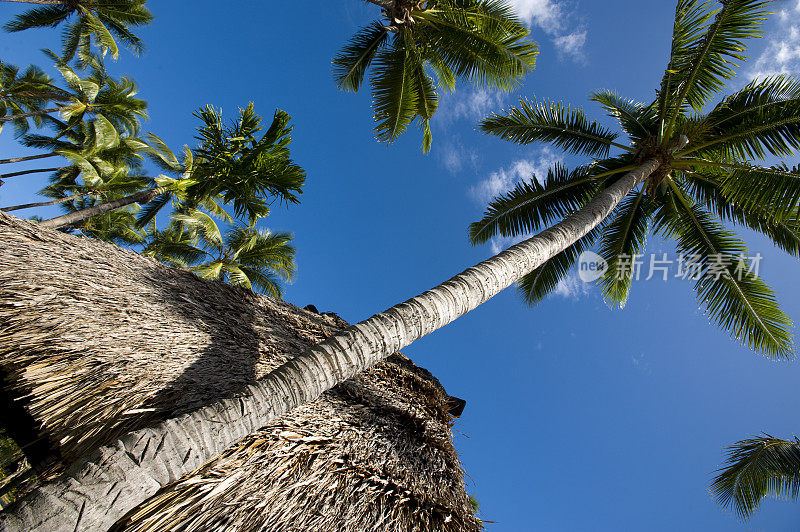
97 341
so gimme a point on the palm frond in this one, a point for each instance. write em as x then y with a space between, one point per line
774 190
635 118
551 122
707 54
352 62
734 297
756 468
532 205
705 186
38 17
394 92
538 284
760 120
624 237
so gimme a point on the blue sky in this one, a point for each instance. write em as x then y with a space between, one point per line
578 417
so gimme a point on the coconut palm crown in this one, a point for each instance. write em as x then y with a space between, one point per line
104 21
244 256
705 179
422 46
756 468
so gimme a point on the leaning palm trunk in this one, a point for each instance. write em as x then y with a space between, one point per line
28 158
32 113
43 2
145 196
100 488
44 203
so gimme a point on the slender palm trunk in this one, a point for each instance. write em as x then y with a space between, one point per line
102 487
44 203
37 171
28 158
43 2
145 196
32 113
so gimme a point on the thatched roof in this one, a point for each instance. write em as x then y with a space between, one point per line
96 341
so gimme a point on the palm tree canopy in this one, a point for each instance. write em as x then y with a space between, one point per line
699 187
246 170
255 259
103 21
423 46
756 468
25 92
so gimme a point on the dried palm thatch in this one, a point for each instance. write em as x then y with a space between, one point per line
96 341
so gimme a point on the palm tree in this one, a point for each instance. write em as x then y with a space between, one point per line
425 45
245 256
104 166
96 94
756 468
678 144
104 21
231 162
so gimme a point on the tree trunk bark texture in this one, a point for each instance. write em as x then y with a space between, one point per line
104 485
143 197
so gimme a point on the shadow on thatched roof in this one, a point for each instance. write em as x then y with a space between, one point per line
96 341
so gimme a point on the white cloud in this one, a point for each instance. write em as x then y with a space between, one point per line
546 14
782 54
471 105
557 20
504 179
571 287
571 44
454 156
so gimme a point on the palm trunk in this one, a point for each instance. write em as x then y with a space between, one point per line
32 113
28 158
102 487
37 171
43 2
145 196
44 203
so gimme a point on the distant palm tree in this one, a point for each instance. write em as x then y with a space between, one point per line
94 94
245 256
231 163
756 468
102 165
425 45
105 21
25 95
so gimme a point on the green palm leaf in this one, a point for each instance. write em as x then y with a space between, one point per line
734 297
538 284
551 122
706 55
624 237
705 185
532 205
756 468
395 98
636 119
352 62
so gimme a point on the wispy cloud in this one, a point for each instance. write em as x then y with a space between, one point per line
455 157
505 179
471 105
571 287
556 19
782 54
